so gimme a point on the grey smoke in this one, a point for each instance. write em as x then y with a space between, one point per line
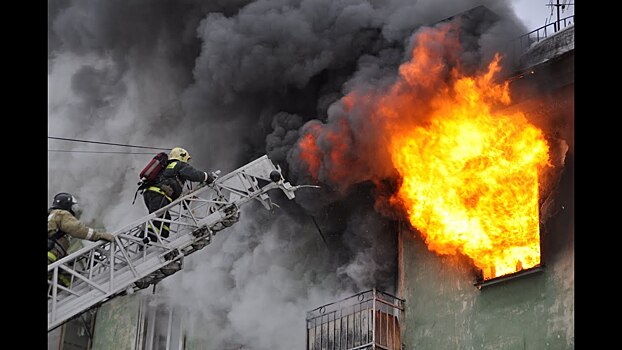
231 81
284 135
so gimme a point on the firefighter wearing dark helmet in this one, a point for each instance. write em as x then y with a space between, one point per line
63 220
169 185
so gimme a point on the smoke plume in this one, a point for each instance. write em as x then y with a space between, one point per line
231 81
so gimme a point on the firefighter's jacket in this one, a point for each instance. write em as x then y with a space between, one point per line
63 220
175 175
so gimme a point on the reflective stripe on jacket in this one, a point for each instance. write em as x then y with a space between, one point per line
176 174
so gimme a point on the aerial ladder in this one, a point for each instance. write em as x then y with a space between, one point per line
103 270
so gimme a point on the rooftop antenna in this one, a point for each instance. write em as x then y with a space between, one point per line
559 7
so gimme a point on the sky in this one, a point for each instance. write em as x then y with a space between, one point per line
535 13
230 81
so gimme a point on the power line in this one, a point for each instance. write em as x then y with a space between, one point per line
106 143
72 151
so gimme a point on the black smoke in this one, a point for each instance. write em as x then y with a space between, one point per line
230 81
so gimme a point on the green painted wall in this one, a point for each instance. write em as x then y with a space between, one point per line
116 324
195 344
444 310
196 332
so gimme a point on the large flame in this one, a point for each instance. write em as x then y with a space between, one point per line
469 173
470 178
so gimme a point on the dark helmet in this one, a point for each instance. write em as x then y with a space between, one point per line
65 201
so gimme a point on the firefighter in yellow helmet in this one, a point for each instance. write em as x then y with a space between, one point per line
169 185
63 221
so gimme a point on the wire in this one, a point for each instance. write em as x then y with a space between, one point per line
318 230
70 151
106 143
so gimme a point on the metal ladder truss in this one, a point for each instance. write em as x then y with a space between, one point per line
103 270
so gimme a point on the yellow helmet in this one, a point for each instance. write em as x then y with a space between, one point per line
179 154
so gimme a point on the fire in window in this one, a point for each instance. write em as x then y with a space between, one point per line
468 167
470 176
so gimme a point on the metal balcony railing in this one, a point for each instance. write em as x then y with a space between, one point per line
367 320
521 44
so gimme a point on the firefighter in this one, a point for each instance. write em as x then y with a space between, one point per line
63 220
168 187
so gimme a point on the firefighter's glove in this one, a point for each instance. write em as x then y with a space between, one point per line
210 178
105 236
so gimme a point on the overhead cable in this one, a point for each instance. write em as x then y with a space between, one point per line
106 143
74 151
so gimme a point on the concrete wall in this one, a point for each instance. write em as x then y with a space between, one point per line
143 321
548 48
116 324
